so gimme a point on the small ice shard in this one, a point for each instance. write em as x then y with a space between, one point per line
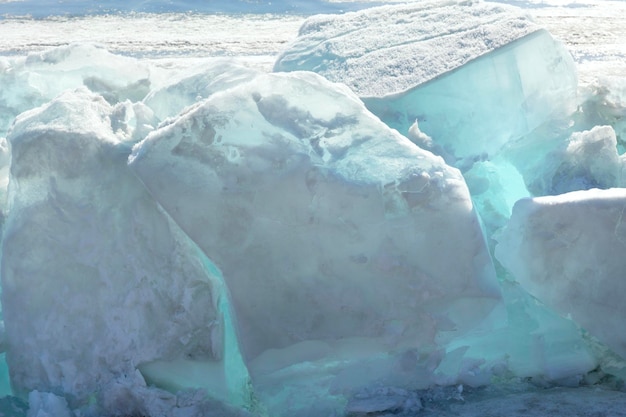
96 278
567 250
580 161
344 246
590 161
474 74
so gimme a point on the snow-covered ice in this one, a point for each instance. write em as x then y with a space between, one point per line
113 300
473 75
112 283
390 49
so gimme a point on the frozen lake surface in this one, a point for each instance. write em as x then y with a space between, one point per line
594 32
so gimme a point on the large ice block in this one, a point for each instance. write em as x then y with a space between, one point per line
568 251
31 81
351 254
96 278
474 75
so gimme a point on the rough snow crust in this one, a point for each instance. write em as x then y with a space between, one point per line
181 35
387 50
37 78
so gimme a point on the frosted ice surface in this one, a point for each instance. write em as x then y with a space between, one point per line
334 234
474 75
196 84
587 159
96 279
5 162
388 50
561 159
567 250
31 81
537 343
604 103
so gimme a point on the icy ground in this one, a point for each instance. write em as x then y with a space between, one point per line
575 402
593 31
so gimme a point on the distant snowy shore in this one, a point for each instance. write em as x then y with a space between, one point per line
593 31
